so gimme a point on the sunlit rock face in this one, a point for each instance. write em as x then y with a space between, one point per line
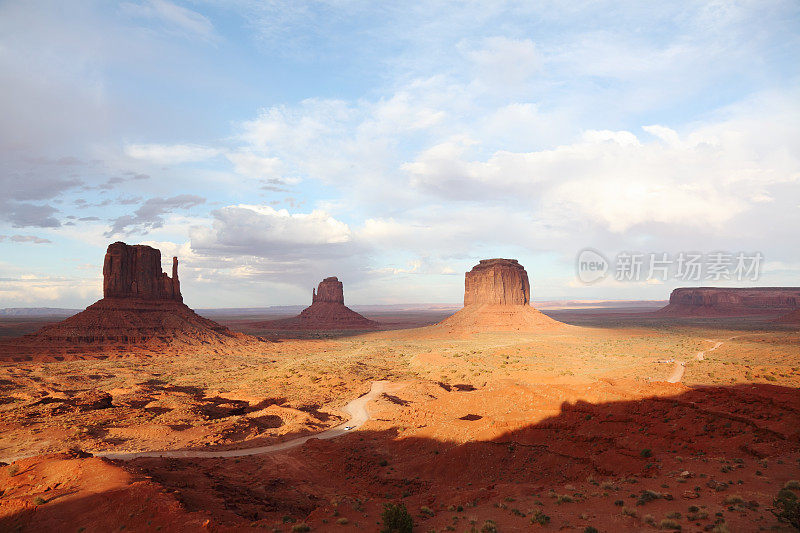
135 272
719 301
142 311
497 281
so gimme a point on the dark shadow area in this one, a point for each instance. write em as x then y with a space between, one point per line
654 455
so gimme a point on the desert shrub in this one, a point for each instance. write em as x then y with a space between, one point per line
733 499
590 529
540 518
619 503
302 527
343 521
627 511
697 515
39 501
564 498
396 519
786 508
647 496
426 511
647 452
489 527
669 524
675 514
792 484
649 519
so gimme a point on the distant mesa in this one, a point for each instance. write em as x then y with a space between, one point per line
142 311
721 302
497 295
327 312
791 318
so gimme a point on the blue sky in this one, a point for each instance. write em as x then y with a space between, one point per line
271 144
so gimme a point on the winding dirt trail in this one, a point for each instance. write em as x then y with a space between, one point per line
357 409
680 366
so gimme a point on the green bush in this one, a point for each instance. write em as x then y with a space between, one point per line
646 453
396 519
786 508
302 527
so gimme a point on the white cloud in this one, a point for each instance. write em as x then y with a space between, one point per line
175 17
252 165
257 230
170 153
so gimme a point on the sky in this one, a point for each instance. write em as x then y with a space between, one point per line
270 144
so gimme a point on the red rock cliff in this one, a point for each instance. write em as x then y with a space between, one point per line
497 281
732 301
135 272
329 290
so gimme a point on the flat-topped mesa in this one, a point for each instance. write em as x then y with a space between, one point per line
724 301
497 281
497 297
135 272
329 290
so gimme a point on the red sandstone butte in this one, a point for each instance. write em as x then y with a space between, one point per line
720 301
497 281
327 312
497 297
142 311
135 272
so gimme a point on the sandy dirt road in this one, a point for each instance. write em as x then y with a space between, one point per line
357 409
680 366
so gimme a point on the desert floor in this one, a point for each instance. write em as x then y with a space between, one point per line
472 431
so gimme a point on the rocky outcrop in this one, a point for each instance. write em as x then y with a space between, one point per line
135 272
142 312
497 281
327 312
497 296
720 301
330 290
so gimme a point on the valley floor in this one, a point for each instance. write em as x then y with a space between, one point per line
580 425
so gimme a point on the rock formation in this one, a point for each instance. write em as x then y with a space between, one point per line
327 312
791 318
720 301
497 281
135 272
497 297
142 311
